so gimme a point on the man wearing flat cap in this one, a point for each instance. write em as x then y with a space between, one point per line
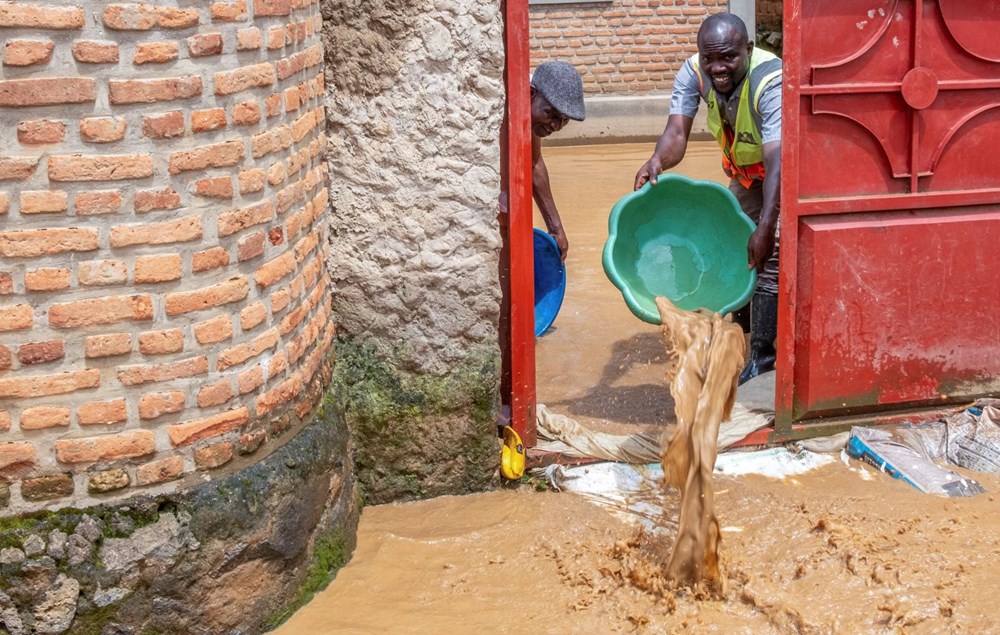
556 97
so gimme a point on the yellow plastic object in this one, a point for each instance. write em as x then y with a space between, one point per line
512 455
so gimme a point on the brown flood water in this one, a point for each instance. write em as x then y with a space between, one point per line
824 552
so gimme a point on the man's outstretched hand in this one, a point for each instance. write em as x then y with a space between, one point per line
649 171
560 237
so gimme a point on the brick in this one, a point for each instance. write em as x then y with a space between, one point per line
213 456
42 488
40 352
164 126
97 202
156 404
204 44
209 259
232 290
6 359
32 243
251 181
100 168
276 174
97 311
4 204
47 92
161 342
231 222
303 126
250 442
274 270
155 200
292 98
218 155
144 17
285 392
280 300
216 394
108 345
180 230
27 52
220 187
272 104
124 445
214 330
102 272
250 380
191 431
148 91
17 455
252 316
103 129
158 268
238 354
160 471
47 385
208 120
248 39
246 113
108 481
16 318
95 52
275 38
234 81
271 7
228 11
299 61
102 413
16 169
24 15
275 236
155 53
44 417
135 375
279 138
44 202
250 247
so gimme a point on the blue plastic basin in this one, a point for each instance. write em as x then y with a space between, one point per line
550 281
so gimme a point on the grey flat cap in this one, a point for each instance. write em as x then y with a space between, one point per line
560 84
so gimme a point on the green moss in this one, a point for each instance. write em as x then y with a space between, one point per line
406 425
330 553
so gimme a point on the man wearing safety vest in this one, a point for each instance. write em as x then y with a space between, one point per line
742 87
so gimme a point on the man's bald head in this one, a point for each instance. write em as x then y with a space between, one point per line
723 26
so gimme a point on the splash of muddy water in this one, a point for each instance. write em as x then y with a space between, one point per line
708 354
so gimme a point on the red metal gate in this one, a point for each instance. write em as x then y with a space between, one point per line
890 231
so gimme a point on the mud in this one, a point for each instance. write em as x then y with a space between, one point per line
707 355
837 550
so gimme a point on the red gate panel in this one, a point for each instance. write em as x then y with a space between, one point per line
890 208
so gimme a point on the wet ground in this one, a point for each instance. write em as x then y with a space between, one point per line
842 549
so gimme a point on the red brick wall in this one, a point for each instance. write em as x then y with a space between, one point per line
769 14
624 47
163 292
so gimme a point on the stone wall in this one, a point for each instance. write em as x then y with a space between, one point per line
623 47
165 315
415 101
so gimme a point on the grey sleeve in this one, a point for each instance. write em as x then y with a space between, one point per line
685 98
770 111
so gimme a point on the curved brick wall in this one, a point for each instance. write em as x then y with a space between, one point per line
164 306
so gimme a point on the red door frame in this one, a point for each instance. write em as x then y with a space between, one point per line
515 159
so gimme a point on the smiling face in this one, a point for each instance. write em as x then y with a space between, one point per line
545 119
724 55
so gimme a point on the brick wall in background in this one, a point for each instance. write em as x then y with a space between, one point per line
164 305
624 47
769 14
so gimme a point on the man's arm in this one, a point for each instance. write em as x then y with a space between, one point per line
761 244
670 149
542 193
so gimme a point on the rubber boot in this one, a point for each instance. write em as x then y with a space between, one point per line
763 332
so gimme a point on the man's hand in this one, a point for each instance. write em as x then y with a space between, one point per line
560 237
649 171
760 247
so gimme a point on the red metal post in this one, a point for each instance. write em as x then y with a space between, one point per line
517 159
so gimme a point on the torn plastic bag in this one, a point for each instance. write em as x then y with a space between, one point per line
900 452
974 439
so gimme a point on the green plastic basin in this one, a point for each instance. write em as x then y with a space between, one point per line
682 239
